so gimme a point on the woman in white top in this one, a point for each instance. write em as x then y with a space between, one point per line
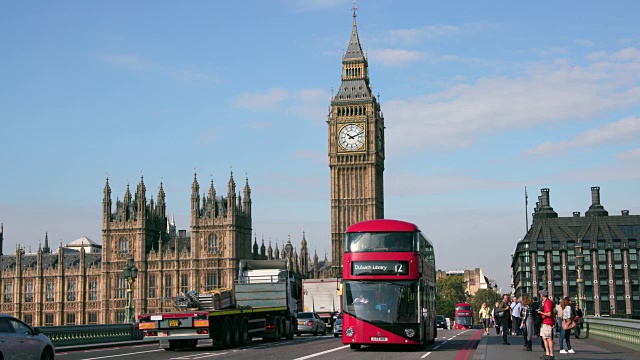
565 335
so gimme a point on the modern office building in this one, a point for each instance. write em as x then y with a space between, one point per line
596 249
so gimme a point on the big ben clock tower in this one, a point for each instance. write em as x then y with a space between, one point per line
356 149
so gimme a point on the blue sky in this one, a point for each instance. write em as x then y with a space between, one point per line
480 100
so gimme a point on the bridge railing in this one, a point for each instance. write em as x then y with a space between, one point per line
71 335
624 331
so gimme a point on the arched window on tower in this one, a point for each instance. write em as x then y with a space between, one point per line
124 245
212 243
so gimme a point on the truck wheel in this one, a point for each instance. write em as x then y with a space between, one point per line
226 334
191 344
277 330
172 345
290 330
354 346
181 344
235 333
244 333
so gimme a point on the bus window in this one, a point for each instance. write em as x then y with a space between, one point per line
379 242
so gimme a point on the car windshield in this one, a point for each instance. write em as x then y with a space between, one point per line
383 241
440 317
305 316
382 302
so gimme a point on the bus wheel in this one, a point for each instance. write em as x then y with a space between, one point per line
355 347
226 334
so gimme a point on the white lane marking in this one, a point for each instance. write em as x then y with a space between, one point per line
147 345
198 356
103 349
321 353
425 355
119 355
436 347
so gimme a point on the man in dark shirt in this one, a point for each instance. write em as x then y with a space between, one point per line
504 306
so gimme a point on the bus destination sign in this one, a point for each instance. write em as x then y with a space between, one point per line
380 268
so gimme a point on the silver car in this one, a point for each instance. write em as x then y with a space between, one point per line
310 323
20 341
337 327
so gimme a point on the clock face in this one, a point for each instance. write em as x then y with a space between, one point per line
351 137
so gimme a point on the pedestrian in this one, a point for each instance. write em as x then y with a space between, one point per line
496 318
558 313
504 308
566 316
527 325
537 320
485 317
546 330
515 316
579 321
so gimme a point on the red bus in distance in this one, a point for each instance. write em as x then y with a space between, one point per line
463 316
389 285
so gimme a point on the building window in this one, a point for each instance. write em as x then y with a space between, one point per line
210 281
184 283
49 297
152 286
92 318
617 257
28 294
602 258
120 317
168 290
124 245
121 287
8 292
49 319
93 290
71 319
28 318
71 290
212 243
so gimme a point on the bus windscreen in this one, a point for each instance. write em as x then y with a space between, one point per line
379 242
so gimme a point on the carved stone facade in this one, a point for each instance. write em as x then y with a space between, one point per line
356 149
82 287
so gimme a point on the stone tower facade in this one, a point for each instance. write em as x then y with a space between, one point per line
356 149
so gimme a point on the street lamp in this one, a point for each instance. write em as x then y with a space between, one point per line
130 275
579 266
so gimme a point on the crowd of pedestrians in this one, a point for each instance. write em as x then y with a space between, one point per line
533 317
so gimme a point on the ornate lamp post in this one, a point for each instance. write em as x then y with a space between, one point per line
130 275
580 281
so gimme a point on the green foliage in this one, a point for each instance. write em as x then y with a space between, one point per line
450 290
484 295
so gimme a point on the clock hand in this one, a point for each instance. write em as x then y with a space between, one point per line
351 137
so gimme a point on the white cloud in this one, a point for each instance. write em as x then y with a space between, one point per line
310 5
545 93
417 35
308 103
395 57
127 61
625 129
630 155
268 100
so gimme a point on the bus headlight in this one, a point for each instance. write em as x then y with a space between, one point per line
409 332
349 331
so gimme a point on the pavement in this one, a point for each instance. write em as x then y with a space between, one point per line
101 345
491 348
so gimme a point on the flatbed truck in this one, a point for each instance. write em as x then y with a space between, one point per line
265 306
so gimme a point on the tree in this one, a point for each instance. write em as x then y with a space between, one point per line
450 290
484 295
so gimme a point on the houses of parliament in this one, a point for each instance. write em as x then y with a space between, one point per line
83 282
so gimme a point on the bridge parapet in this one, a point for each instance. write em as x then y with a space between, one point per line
70 335
625 331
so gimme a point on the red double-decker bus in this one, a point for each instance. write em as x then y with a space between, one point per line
463 316
389 285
